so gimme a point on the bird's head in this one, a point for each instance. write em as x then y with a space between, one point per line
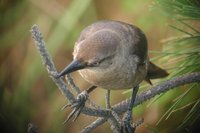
94 52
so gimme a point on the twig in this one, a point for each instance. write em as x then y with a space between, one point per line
160 88
118 108
70 81
48 63
114 125
93 125
138 122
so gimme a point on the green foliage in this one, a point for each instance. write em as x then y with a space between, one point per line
181 9
19 80
182 55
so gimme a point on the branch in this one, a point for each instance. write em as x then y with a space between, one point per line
70 81
48 63
93 125
118 108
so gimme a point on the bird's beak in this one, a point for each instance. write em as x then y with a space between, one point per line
73 66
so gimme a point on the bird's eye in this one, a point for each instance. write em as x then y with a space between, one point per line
95 63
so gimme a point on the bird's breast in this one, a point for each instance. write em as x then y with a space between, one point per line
118 76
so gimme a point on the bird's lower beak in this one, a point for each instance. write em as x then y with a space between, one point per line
73 66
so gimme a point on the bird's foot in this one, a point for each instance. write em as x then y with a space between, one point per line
127 126
77 106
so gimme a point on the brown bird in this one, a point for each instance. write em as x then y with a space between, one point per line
112 55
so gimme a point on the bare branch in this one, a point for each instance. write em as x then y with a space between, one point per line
114 125
160 88
93 125
48 63
70 81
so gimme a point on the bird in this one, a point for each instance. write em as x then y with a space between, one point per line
112 55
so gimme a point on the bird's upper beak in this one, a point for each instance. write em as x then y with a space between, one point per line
73 66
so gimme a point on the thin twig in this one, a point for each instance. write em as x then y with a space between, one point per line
93 125
114 125
48 63
71 83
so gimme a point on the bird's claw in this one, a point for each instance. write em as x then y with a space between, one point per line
77 106
126 126
130 128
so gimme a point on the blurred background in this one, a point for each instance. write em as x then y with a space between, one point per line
27 94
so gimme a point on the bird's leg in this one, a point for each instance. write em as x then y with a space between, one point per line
78 104
126 124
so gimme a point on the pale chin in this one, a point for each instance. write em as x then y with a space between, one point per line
84 74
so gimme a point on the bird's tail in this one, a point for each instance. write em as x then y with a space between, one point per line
155 72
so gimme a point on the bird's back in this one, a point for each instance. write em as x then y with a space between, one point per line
129 35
